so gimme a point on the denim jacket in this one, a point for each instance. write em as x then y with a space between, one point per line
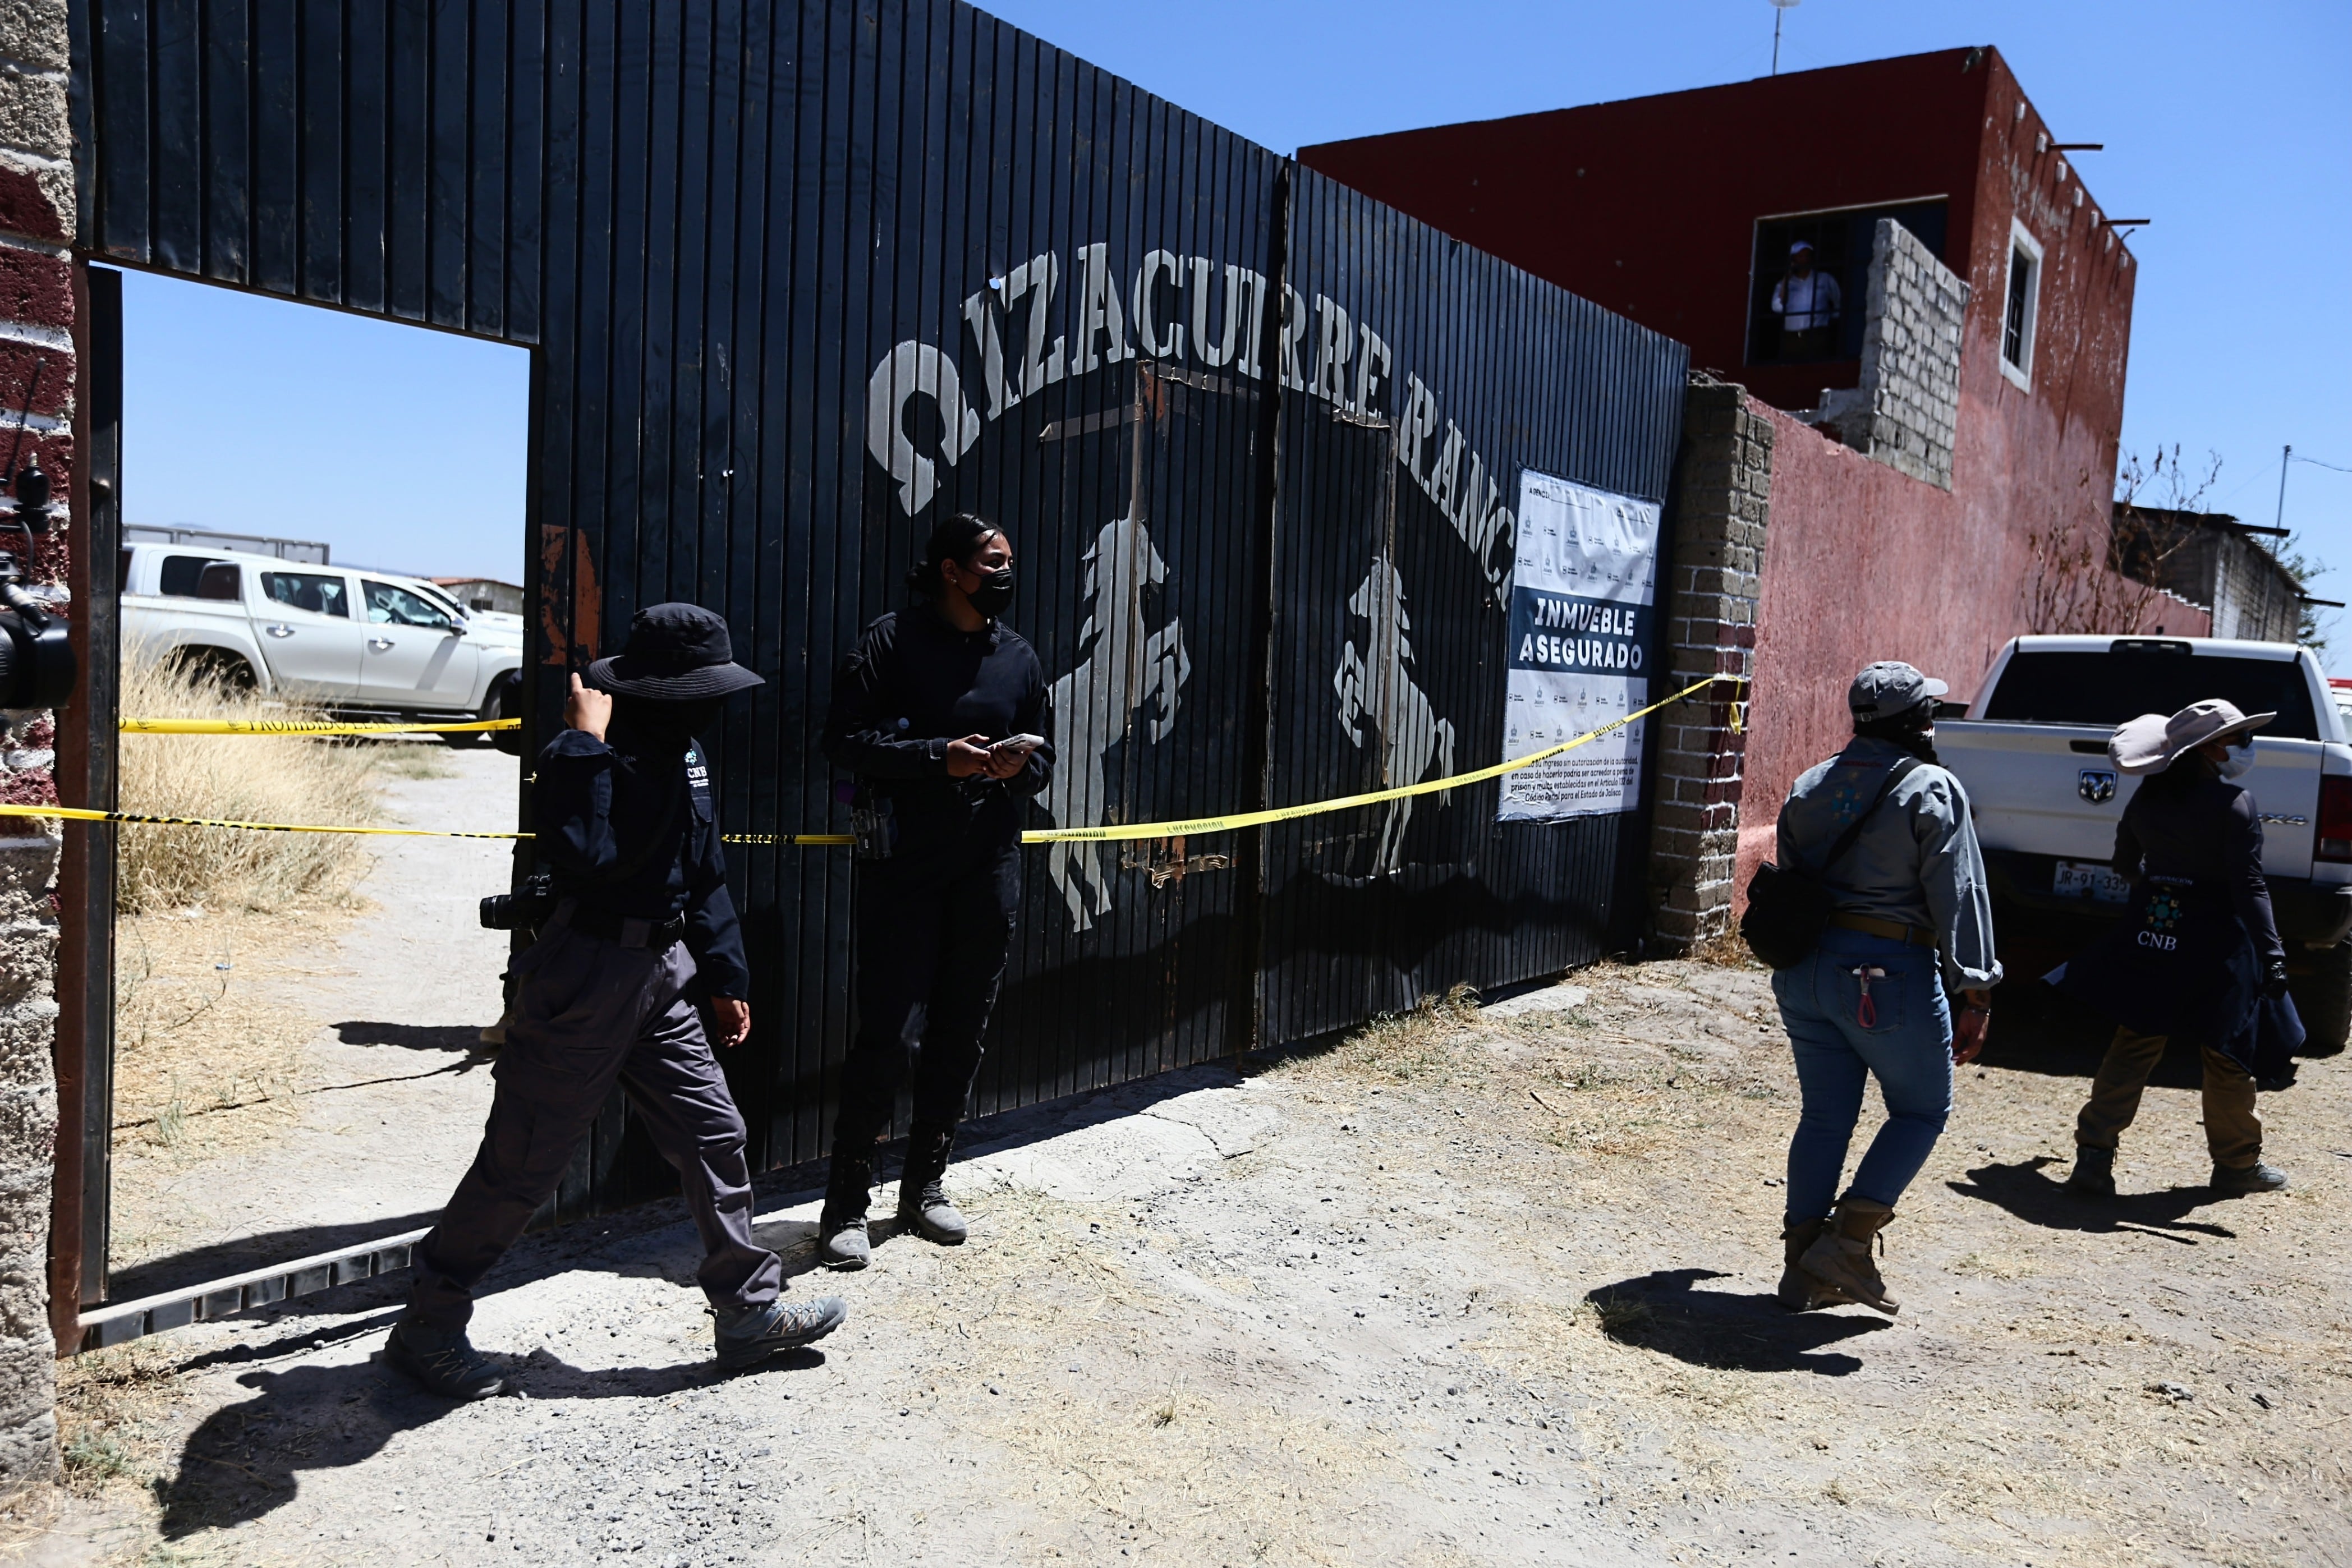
1915 861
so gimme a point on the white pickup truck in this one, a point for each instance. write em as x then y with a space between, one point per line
363 645
2033 752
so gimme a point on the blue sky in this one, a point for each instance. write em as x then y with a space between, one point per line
2231 127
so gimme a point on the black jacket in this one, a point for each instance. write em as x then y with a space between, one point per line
913 684
2202 826
640 840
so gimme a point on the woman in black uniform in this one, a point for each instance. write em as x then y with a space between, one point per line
2200 956
941 711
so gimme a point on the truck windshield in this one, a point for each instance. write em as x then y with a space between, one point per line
2098 687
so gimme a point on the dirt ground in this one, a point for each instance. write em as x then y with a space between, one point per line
291 1081
1475 1287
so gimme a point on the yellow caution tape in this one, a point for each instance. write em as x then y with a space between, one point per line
305 726
1348 802
786 839
1035 836
81 814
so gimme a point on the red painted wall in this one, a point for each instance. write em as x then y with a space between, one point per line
1862 563
1649 207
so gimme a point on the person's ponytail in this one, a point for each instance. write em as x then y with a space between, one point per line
957 538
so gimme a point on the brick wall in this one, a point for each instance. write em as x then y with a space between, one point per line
36 387
1723 492
1905 411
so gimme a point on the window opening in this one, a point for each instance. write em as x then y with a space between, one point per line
397 605
182 573
318 594
1811 276
2022 298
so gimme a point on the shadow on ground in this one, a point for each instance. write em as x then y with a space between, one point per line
1728 1331
409 1036
2028 1190
242 1460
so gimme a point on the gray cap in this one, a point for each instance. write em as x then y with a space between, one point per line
1889 688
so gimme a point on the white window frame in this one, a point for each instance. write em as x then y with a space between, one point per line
2021 374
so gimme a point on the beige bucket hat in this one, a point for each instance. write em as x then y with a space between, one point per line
2152 743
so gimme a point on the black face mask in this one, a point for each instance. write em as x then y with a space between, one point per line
661 728
995 593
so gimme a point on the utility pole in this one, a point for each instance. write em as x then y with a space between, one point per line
2286 456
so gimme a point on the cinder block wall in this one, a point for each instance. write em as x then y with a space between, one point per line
1723 495
36 389
1905 410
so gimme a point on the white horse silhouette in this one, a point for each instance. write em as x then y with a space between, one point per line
1376 686
1095 705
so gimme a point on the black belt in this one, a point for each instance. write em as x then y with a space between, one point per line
628 930
1892 930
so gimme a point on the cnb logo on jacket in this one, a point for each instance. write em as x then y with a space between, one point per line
2164 912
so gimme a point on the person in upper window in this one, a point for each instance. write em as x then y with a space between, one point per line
1808 303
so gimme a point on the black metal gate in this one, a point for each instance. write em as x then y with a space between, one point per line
799 277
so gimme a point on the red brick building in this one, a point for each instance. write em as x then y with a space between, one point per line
1945 420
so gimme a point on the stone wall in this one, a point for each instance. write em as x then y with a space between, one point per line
36 389
1905 411
1722 501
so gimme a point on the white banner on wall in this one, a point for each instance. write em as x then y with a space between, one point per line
1583 589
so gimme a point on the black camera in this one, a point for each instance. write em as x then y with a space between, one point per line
37 663
525 909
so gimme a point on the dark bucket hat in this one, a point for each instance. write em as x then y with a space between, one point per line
675 652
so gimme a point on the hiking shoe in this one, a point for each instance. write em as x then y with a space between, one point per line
1840 1258
747 1337
923 1206
2255 1178
841 1241
927 1213
842 1244
2093 1175
445 1363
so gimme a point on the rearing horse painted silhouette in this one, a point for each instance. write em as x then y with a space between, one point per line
1096 703
1376 686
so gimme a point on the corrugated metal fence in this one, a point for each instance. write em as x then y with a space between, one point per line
799 278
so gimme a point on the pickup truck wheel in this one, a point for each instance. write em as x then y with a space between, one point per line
2323 996
506 702
215 667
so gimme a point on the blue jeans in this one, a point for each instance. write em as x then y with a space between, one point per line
1904 1037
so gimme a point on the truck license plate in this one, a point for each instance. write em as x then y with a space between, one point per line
2089 879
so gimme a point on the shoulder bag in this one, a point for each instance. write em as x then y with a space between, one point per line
1787 905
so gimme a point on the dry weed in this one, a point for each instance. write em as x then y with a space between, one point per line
239 777
112 1413
1423 1047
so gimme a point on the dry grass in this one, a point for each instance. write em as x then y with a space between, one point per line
114 1410
1423 1046
243 778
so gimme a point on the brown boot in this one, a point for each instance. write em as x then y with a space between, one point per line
1840 1257
1799 1291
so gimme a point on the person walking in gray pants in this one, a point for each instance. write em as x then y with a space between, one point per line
624 818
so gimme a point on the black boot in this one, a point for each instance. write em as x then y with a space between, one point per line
2093 1175
923 1206
841 1230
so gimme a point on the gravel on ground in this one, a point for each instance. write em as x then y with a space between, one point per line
1472 1287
